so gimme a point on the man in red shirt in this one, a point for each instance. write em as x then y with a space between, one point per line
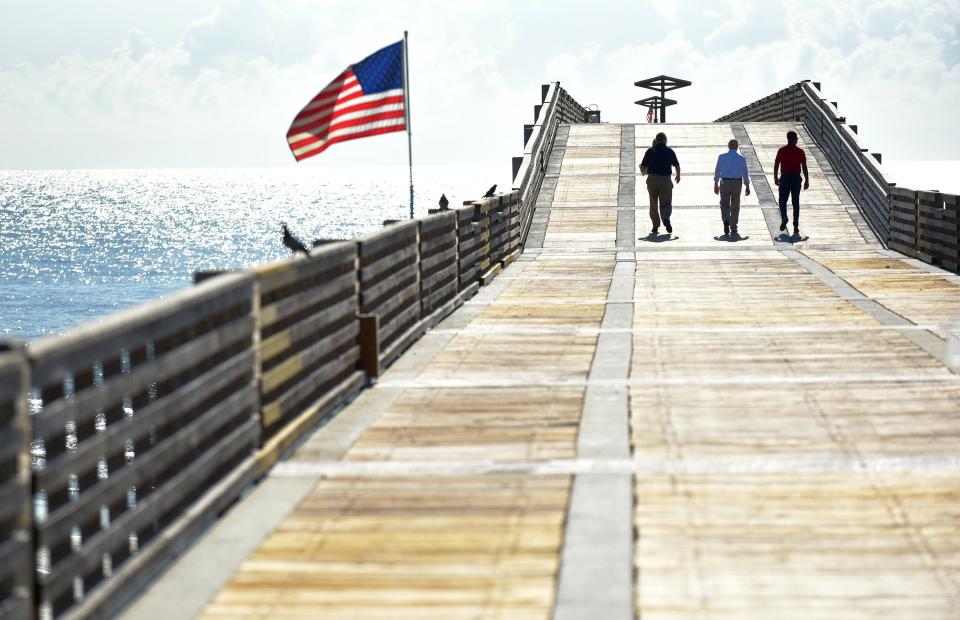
793 160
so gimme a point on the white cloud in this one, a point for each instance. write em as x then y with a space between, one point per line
225 91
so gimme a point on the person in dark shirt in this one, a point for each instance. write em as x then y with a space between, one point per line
656 164
790 162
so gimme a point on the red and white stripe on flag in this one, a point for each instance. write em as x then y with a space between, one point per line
345 110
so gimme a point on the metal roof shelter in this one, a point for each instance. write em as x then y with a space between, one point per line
663 84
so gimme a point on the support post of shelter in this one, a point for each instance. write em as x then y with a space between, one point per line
662 84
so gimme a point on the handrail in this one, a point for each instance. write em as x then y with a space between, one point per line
866 178
533 143
855 168
867 162
924 225
557 107
533 168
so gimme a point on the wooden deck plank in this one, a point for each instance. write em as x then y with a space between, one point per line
444 547
771 134
692 191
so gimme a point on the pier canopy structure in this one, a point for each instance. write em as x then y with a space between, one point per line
581 421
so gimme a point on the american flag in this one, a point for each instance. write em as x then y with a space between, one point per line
650 114
367 99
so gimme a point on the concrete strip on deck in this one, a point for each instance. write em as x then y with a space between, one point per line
596 570
614 428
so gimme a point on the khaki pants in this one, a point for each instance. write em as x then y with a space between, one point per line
730 202
660 189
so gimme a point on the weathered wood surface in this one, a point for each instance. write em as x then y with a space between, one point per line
938 228
581 228
458 547
390 279
793 455
307 336
904 220
438 261
468 248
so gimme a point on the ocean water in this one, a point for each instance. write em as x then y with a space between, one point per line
78 245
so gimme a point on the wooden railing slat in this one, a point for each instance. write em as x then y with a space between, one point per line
291 366
394 235
402 297
297 393
323 261
277 344
290 306
388 292
376 269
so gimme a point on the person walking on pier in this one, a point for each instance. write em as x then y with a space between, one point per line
729 177
790 162
656 164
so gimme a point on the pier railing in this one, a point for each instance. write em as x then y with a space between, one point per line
556 107
926 225
144 427
135 422
307 343
916 223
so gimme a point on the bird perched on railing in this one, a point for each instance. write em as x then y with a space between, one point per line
491 191
444 203
292 243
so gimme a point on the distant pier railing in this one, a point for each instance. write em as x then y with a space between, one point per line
146 426
557 107
926 225
920 224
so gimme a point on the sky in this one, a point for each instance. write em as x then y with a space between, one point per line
215 83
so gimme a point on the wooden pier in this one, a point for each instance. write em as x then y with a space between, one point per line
613 426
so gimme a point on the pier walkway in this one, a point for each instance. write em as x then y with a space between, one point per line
621 427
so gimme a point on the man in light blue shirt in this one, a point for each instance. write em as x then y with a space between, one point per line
729 177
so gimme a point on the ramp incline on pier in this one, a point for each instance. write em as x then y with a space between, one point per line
620 427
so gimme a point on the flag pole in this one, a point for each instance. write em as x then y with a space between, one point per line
406 109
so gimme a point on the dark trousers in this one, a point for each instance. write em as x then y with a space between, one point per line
790 188
660 190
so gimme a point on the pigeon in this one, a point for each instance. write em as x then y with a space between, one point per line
491 191
292 243
444 203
